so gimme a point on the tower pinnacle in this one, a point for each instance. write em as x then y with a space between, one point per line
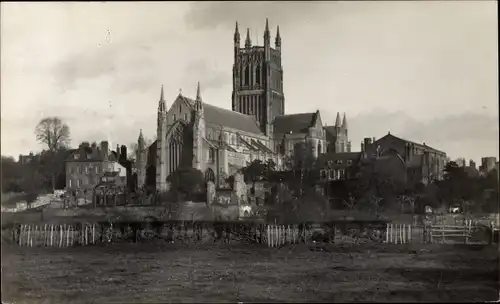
344 121
161 103
248 42
236 34
337 120
199 103
266 31
277 42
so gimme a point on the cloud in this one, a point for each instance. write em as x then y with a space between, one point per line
209 75
209 15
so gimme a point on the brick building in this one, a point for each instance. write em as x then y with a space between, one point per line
417 163
88 164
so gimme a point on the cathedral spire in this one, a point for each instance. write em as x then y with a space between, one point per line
161 103
248 42
199 102
277 42
236 35
267 34
140 140
337 120
344 121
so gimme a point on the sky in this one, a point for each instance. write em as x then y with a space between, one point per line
426 71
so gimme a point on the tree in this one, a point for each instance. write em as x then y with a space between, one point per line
11 175
187 181
53 132
51 165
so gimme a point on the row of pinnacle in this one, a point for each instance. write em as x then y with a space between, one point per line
267 35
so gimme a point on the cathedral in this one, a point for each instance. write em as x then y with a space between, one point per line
219 142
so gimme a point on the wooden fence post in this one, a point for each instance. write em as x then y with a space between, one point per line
409 234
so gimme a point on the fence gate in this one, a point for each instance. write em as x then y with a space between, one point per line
440 234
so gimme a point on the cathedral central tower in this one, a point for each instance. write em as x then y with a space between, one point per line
258 79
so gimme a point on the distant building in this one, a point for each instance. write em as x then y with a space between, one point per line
26 159
419 162
488 164
88 164
471 169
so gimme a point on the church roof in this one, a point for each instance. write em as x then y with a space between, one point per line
294 123
423 146
227 118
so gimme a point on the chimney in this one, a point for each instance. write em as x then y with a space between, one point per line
368 142
123 153
104 150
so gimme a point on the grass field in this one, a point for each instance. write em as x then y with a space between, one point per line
126 273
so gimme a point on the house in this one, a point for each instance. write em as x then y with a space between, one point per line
86 165
339 166
26 159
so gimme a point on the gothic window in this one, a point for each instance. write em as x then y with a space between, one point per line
185 117
319 148
257 75
225 138
247 76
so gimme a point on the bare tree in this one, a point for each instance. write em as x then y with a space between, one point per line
53 132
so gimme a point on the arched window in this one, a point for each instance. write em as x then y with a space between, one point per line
319 148
225 138
247 76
